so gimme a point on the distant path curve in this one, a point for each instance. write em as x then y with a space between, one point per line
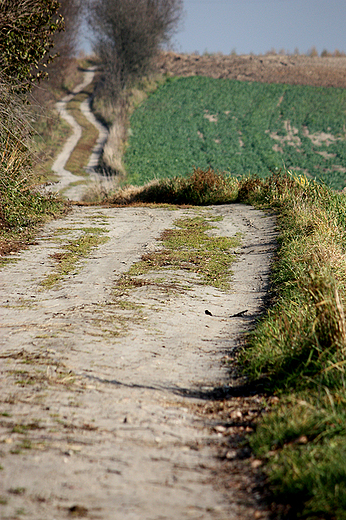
101 140
66 177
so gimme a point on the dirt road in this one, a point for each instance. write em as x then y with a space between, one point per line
102 392
118 399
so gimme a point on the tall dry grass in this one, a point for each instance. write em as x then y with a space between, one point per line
23 204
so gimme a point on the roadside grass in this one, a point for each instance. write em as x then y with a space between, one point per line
298 349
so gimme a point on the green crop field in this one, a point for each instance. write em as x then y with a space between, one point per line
238 127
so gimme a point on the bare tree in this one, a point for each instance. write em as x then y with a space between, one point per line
66 42
129 33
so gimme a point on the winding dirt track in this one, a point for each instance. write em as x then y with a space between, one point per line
104 394
67 180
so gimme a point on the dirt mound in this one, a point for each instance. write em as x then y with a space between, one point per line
294 70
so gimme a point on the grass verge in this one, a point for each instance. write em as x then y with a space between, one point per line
298 350
23 204
50 135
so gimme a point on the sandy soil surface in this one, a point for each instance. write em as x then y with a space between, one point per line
296 70
123 405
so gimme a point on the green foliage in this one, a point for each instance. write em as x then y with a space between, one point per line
26 31
238 127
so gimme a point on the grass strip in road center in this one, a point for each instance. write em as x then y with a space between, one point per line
189 248
80 155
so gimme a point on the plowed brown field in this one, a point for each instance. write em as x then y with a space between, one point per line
295 70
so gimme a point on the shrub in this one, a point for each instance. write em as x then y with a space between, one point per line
201 188
128 35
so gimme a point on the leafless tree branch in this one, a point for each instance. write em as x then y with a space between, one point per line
129 33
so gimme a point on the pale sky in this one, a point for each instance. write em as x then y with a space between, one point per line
259 25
